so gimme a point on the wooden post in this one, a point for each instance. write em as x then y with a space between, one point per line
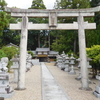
83 58
23 51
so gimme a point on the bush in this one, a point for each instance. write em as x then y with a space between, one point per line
10 51
32 54
94 54
70 52
2 54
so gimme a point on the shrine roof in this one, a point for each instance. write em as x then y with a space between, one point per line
11 44
53 52
42 49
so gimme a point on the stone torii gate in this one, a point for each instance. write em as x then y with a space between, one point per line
80 25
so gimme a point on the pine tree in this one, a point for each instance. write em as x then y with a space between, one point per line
3 19
37 4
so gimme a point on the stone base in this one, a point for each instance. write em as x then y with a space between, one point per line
86 89
66 69
89 81
20 89
13 82
72 72
7 95
96 94
78 78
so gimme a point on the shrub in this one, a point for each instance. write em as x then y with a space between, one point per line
10 51
32 54
2 54
94 54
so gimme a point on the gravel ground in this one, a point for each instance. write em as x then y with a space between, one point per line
71 86
33 86
68 83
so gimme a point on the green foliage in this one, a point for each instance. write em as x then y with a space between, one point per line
10 51
33 36
59 44
3 18
71 52
30 52
2 54
37 4
94 53
74 4
68 40
9 65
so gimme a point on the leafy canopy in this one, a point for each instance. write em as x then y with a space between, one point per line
94 53
3 19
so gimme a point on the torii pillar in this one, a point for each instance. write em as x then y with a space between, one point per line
23 51
82 49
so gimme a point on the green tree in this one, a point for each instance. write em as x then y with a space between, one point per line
94 37
10 36
10 51
2 54
35 36
72 4
3 18
70 38
94 54
37 4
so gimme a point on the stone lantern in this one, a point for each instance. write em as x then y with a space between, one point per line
59 61
28 62
15 66
97 90
66 63
79 66
89 67
63 62
72 63
5 90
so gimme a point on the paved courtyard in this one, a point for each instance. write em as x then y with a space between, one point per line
35 89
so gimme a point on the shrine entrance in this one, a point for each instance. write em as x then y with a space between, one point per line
80 25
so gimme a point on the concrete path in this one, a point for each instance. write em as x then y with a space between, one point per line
51 90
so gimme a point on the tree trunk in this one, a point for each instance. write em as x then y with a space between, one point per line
75 45
49 39
38 40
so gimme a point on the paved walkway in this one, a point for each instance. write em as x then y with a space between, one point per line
37 85
50 88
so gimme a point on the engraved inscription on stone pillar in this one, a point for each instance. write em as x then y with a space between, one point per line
52 19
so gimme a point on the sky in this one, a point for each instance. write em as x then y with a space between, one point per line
27 3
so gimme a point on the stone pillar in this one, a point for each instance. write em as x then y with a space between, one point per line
82 49
23 52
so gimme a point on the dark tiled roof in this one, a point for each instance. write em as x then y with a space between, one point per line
53 52
42 49
11 44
